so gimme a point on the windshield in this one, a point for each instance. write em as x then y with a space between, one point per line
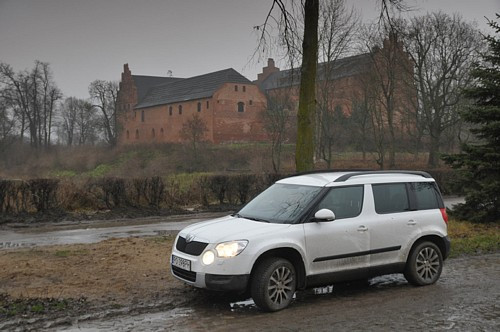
280 203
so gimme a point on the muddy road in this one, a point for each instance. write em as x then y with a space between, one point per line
466 298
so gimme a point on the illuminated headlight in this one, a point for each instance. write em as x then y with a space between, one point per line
231 248
208 257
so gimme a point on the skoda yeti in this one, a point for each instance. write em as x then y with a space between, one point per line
316 229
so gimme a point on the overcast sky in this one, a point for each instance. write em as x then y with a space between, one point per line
84 40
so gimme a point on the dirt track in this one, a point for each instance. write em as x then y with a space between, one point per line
132 275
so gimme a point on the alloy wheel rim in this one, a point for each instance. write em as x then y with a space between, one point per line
280 285
427 264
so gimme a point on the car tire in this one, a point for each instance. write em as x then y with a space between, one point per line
273 284
424 265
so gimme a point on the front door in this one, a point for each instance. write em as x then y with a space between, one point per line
342 244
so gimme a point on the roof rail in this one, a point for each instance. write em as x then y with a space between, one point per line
317 171
350 175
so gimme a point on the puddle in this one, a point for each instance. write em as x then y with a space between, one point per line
142 322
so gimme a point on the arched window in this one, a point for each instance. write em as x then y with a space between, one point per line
128 135
180 109
241 106
244 88
161 132
170 111
235 88
207 104
199 107
153 133
250 102
137 134
142 116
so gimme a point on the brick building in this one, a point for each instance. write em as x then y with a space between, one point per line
154 109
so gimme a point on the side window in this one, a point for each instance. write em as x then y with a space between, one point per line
390 198
345 202
426 195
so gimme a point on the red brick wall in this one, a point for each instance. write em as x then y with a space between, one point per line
224 122
231 125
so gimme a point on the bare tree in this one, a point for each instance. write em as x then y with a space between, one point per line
337 30
32 95
103 94
304 152
443 48
78 122
193 131
276 120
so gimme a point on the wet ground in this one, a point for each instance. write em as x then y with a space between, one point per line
466 298
98 231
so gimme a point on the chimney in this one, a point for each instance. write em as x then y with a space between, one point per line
266 71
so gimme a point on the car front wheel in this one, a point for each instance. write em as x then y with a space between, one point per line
424 265
273 284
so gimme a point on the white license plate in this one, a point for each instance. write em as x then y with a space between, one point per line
182 263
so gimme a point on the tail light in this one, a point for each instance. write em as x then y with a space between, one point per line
445 216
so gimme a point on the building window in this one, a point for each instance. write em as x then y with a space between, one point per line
235 88
180 109
128 135
170 111
199 107
250 102
137 134
241 106
153 133
244 88
207 104
142 116
161 132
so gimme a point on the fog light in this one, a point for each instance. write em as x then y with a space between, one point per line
208 257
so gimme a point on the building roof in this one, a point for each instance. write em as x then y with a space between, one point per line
344 67
196 87
144 83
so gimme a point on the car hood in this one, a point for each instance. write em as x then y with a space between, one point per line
229 228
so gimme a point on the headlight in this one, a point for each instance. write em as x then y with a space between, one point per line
208 257
231 248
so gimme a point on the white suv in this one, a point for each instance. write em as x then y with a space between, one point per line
316 229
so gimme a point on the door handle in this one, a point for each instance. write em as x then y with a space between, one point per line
411 222
362 228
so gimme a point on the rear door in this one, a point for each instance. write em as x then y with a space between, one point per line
393 225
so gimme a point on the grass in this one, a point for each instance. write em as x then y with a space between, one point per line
68 253
472 239
24 306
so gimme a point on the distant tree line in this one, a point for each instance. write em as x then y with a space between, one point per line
33 110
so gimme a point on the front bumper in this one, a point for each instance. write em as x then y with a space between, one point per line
216 282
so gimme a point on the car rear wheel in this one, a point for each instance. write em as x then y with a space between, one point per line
273 284
424 265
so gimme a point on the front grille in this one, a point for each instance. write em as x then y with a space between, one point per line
188 275
194 248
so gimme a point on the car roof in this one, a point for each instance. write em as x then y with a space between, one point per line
329 179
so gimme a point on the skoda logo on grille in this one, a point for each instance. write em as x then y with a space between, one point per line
189 238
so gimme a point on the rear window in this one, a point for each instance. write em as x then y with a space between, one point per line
426 195
390 198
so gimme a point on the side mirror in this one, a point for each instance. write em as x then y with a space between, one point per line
324 215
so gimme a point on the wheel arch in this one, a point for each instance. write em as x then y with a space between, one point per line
290 254
439 241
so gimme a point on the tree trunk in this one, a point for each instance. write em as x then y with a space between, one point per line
433 161
304 150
